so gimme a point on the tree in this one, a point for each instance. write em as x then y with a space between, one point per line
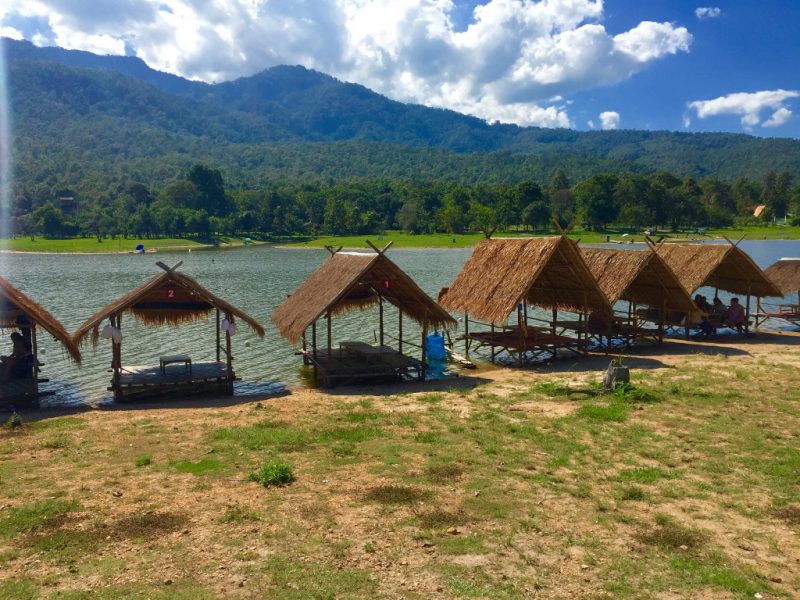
210 190
536 215
595 198
49 220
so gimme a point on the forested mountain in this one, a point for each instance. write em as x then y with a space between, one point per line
79 117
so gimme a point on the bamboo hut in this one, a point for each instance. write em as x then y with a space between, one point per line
785 274
721 266
19 381
507 275
647 287
349 281
169 298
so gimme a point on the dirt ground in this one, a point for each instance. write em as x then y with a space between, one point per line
499 483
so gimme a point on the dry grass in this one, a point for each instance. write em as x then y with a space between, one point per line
696 495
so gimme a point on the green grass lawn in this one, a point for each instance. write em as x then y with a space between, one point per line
91 244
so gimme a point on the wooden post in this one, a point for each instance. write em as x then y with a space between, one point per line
492 346
424 348
218 340
35 351
661 321
400 327
314 347
466 332
330 343
229 361
747 312
116 358
521 332
380 319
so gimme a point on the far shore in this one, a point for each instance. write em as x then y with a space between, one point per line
398 239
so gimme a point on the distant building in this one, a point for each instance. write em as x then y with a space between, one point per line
67 205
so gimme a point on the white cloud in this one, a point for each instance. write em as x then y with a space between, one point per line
509 64
707 12
609 120
778 118
749 106
10 32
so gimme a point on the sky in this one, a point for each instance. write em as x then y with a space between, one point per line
708 65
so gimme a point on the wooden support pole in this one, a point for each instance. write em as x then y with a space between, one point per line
747 312
424 349
662 321
229 361
218 340
492 346
380 319
466 332
314 347
400 328
330 342
35 351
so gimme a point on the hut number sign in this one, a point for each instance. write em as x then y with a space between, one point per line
386 284
171 293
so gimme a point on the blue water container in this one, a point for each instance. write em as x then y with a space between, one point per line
436 354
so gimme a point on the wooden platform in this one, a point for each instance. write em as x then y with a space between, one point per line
359 362
153 383
535 345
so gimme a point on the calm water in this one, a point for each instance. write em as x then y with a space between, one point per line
256 279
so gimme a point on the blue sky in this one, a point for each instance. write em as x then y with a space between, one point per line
730 65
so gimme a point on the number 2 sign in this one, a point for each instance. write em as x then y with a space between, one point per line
170 294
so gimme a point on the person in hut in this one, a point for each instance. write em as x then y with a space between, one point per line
17 365
735 315
702 304
718 310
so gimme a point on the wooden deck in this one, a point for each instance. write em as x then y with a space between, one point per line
176 380
358 362
537 344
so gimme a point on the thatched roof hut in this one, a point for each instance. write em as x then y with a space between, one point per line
501 273
170 298
14 303
641 277
785 274
355 280
724 266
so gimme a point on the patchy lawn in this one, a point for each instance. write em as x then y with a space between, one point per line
508 484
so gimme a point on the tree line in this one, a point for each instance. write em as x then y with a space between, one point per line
200 205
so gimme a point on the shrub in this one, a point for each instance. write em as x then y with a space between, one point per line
143 461
273 473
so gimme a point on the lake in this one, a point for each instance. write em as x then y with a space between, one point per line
256 279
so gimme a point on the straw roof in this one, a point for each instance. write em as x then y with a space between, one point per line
636 276
352 280
785 274
12 300
724 266
548 272
170 297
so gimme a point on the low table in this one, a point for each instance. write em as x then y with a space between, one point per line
175 358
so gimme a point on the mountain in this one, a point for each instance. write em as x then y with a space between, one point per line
77 115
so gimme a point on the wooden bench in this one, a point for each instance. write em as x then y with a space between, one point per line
169 359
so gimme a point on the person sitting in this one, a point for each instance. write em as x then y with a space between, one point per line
734 316
17 365
718 309
706 327
702 303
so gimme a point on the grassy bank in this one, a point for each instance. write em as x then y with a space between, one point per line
499 484
442 240
107 245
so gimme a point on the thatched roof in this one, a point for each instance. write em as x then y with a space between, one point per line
13 302
548 272
350 280
170 297
724 266
785 274
636 276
